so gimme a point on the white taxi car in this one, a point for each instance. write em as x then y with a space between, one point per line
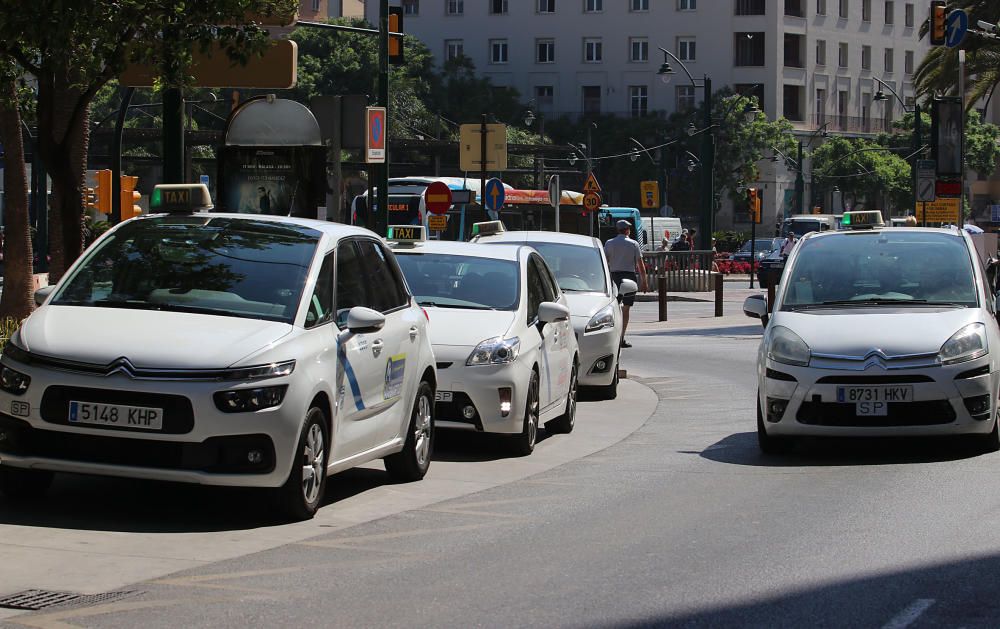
879 332
507 358
581 269
221 349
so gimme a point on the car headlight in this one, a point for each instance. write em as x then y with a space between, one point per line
12 381
259 372
495 351
605 318
787 347
249 400
968 343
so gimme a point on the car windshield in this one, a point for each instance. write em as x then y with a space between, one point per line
220 266
577 269
881 267
456 281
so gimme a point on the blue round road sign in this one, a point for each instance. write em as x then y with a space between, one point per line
955 28
493 195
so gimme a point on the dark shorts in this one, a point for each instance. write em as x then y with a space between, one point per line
617 277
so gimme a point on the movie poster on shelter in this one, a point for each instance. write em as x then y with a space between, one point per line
264 181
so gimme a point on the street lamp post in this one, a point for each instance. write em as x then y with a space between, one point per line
880 96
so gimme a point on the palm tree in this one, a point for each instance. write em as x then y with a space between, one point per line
937 73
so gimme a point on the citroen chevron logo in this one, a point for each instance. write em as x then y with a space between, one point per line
121 365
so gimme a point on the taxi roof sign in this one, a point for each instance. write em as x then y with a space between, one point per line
406 233
488 228
180 197
866 219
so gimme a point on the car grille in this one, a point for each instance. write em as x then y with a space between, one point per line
873 379
929 413
216 454
178 414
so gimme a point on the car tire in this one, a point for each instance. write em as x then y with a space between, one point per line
411 463
21 485
564 423
770 444
523 444
608 391
302 493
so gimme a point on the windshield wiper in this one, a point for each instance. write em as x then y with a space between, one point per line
875 301
145 305
433 304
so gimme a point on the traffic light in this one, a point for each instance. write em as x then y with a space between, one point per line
90 199
753 204
939 15
396 42
103 192
130 197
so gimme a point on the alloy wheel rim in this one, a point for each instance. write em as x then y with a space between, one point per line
422 430
312 463
533 414
572 398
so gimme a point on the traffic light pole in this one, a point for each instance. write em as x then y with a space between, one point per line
116 157
382 216
707 171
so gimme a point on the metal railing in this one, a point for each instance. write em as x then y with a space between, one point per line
685 271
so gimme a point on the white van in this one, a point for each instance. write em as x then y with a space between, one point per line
802 224
671 225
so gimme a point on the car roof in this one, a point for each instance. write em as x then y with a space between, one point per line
541 236
451 247
338 230
952 231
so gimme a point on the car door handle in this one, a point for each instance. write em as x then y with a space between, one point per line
414 332
377 347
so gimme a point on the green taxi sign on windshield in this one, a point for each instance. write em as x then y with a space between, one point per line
866 219
180 198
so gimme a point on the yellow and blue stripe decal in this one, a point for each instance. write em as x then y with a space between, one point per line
352 379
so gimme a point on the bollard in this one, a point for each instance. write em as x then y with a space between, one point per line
770 297
661 290
718 294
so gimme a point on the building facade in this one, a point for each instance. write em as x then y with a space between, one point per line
814 62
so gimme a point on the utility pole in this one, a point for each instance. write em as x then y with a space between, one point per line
707 172
381 218
482 160
800 185
590 170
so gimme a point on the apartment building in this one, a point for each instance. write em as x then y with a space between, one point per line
814 62
347 8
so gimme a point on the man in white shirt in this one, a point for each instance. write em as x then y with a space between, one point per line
625 262
788 245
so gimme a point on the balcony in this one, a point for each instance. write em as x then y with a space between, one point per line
845 124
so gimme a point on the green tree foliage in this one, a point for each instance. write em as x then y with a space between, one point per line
982 151
868 174
938 72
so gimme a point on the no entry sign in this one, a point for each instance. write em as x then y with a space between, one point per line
437 198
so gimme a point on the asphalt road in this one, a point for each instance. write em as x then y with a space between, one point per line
683 523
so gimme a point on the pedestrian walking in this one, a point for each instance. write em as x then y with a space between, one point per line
788 245
625 263
682 244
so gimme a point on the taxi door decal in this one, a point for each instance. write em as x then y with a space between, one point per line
352 379
395 367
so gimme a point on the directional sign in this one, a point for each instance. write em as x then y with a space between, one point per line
437 222
437 198
925 190
955 28
493 196
591 185
650 191
555 191
591 201
926 175
375 134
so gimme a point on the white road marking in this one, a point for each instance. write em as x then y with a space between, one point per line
909 615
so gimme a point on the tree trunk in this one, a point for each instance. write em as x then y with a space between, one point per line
16 301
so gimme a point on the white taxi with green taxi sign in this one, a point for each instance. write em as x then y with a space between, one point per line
879 332
220 349
507 358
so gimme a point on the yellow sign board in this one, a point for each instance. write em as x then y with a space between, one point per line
650 194
437 222
941 211
471 147
591 185
275 68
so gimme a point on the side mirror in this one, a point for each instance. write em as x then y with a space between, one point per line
361 320
43 293
629 287
755 307
550 312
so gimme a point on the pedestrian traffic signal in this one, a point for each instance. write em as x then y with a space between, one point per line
753 204
939 15
396 41
130 197
102 192
90 199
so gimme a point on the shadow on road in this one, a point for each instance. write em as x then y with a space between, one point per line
733 330
741 449
463 446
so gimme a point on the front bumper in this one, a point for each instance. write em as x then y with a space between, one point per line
479 387
197 444
947 400
598 355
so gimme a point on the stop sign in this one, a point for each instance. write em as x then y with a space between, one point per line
437 197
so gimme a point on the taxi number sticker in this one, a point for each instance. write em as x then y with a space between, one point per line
395 367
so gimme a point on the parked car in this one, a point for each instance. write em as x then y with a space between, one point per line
220 349
761 247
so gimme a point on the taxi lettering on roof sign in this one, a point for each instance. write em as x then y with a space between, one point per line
406 233
487 228
868 219
180 197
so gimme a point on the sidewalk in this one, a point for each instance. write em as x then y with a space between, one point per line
693 310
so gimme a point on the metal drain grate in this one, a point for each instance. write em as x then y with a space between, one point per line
34 600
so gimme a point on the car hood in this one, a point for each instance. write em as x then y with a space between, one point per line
893 331
454 326
583 306
148 338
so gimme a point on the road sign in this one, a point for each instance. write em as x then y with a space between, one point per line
437 198
650 194
437 222
493 195
926 169
948 188
591 201
555 191
203 179
375 135
940 211
471 147
591 185
956 26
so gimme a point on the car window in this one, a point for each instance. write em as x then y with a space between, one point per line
536 292
550 291
351 290
320 308
222 266
883 267
386 290
457 281
576 268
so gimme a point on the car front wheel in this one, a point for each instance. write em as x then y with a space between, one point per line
302 493
523 444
